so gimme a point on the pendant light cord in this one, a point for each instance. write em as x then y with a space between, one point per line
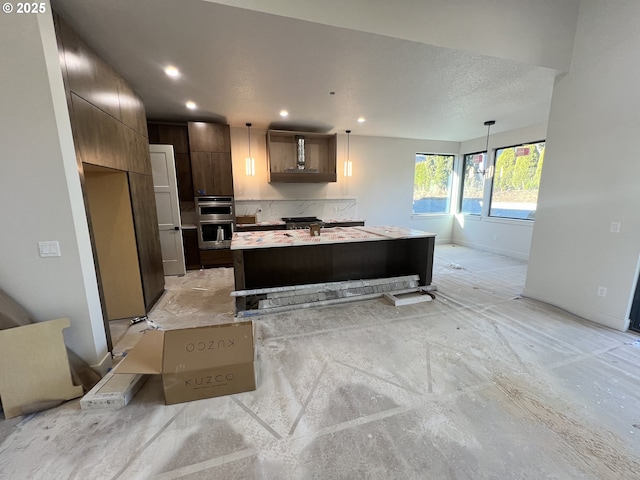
348 143
249 137
488 124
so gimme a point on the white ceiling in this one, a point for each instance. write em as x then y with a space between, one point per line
242 65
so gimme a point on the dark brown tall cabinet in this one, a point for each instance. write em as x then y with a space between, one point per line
176 134
112 149
210 149
203 167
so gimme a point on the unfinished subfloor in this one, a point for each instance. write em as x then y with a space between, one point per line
478 383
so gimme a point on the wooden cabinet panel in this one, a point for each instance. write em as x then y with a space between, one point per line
109 130
191 250
88 75
98 137
334 262
212 173
222 173
136 151
101 140
209 137
145 219
132 109
184 176
176 135
216 258
153 132
320 157
202 173
170 134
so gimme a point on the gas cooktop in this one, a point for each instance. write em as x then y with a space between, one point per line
295 223
300 219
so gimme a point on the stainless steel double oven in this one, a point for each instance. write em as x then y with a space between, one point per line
215 219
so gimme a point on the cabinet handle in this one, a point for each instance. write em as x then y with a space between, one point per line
176 228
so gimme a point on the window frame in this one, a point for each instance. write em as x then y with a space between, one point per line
451 184
492 182
463 170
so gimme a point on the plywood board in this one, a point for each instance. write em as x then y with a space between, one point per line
34 368
115 242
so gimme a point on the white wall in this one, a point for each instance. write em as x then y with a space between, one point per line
382 181
537 32
591 175
498 235
40 193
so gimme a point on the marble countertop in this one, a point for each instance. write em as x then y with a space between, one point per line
291 238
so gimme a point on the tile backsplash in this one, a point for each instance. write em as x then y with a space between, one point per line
324 209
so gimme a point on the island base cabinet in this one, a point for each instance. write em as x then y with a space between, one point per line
309 264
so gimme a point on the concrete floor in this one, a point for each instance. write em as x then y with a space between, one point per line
478 384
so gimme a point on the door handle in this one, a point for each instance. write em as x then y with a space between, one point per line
176 228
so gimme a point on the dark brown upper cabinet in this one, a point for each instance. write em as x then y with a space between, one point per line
212 173
176 134
209 137
210 151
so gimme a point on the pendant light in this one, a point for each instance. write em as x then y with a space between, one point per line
250 163
487 124
348 166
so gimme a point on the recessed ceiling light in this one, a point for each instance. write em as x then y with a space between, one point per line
361 120
191 105
172 71
284 113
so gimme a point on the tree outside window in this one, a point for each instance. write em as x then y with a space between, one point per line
516 181
432 183
473 183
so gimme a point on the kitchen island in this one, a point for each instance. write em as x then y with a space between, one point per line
280 258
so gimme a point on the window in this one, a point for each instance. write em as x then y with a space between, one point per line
473 183
432 183
516 180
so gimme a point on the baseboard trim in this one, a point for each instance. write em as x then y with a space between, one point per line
104 365
486 248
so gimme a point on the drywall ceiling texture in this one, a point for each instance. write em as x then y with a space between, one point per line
590 177
40 194
536 32
243 66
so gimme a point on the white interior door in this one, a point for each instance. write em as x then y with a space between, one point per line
163 167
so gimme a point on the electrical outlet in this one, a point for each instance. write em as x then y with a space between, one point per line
495 238
615 227
602 291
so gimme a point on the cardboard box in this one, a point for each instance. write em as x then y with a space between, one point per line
314 230
196 363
